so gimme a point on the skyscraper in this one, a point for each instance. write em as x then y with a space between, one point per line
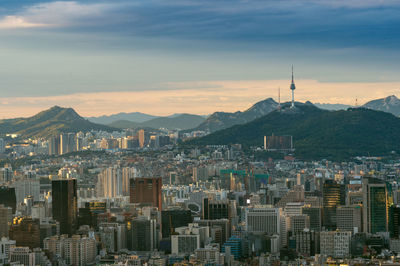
5 220
109 182
141 137
375 205
8 198
146 190
65 204
142 234
173 218
333 196
26 232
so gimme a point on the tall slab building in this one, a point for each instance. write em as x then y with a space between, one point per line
65 204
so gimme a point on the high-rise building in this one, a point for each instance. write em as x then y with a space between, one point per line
89 214
216 226
127 174
142 138
2 146
335 243
5 245
333 196
109 182
54 145
6 175
299 222
142 234
23 255
63 143
26 187
235 247
113 236
375 205
263 218
184 244
307 243
173 218
146 190
26 232
195 229
65 204
8 198
349 218
394 221
5 220
315 216
76 250
218 209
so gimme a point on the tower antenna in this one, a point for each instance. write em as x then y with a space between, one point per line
279 98
292 87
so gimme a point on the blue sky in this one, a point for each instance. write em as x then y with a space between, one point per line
67 52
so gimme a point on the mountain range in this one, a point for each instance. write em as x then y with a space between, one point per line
49 122
318 133
390 104
180 121
132 117
222 120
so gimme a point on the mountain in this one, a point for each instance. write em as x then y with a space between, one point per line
390 104
49 122
318 133
332 106
181 121
133 117
221 120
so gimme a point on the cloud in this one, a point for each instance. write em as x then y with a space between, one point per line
56 14
200 97
12 22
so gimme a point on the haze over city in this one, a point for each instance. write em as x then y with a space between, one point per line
165 57
199 133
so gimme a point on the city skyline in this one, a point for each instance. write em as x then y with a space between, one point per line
103 57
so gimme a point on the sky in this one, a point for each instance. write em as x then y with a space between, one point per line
175 56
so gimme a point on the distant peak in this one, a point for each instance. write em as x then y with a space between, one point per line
392 97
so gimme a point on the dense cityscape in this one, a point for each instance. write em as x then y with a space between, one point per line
199 133
141 197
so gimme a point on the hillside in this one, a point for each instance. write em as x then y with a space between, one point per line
49 122
390 104
181 121
319 133
221 120
132 117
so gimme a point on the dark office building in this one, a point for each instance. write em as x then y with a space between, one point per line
8 198
89 214
146 190
26 232
216 209
315 217
333 195
173 218
65 204
394 221
142 234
